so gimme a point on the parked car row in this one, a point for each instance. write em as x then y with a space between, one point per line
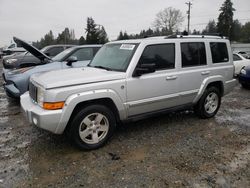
17 74
244 54
239 62
244 77
28 59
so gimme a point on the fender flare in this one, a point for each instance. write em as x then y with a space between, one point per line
205 83
73 100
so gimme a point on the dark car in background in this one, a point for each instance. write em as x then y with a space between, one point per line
26 59
244 77
16 81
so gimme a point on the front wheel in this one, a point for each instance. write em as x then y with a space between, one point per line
92 127
209 103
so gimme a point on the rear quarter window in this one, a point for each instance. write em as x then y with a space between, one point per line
219 52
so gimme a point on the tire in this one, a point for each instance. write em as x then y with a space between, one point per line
209 103
245 86
92 127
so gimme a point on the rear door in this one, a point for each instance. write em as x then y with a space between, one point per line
193 68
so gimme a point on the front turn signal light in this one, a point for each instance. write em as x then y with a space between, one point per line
53 105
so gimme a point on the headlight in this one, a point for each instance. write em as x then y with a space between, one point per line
19 71
243 71
10 61
40 96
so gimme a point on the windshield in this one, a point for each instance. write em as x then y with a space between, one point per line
114 56
44 49
61 56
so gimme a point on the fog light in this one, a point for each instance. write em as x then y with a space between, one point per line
34 120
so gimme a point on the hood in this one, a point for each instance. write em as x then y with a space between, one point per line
75 76
34 51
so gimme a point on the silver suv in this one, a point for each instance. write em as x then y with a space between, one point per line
128 80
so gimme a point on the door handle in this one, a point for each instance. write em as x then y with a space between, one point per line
171 78
205 73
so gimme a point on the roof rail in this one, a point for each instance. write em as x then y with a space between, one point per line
216 36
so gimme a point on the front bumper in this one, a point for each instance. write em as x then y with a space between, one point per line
9 87
44 119
11 90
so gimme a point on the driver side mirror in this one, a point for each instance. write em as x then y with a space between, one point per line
144 69
71 60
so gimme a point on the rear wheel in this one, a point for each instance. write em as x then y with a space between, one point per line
92 127
209 103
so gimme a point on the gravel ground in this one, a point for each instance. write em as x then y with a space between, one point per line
172 150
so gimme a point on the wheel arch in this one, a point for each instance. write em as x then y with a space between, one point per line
109 103
216 81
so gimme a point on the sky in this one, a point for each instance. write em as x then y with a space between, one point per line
30 20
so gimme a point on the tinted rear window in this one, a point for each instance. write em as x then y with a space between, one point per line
193 54
219 52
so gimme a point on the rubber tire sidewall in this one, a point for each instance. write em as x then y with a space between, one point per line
75 123
200 107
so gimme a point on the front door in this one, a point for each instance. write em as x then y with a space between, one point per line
158 90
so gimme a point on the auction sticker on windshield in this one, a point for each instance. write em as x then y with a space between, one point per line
127 47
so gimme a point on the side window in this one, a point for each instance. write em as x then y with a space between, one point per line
236 57
96 50
83 54
219 52
54 51
193 54
163 55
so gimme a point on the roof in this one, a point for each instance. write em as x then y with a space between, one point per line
88 46
173 38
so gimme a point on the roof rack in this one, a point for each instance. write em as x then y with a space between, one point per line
215 36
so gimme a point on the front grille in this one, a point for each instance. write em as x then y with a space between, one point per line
33 91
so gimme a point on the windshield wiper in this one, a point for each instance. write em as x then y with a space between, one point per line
101 67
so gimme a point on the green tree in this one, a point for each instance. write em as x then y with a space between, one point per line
82 41
245 33
225 19
195 32
210 28
102 35
120 36
236 30
96 33
67 37
124 36
48 39
91 30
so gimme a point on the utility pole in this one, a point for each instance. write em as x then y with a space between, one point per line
188 13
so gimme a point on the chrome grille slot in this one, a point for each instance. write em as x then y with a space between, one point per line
33 91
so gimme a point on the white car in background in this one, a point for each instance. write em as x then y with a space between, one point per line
239 62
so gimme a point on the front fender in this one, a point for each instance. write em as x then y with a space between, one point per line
72 101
